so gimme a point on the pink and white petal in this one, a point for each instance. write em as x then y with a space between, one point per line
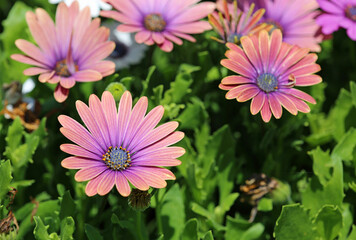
129 28
98 53
67 82
122 185
286 102
166 152
248 94
275 106
89 173
158 37
33 52
106 183
257 103
136 117
235 80
27 60
87 76
135 179
123 117
142 36
237 68
55 79
266 112
263 44
80 152
92 187
155 135
252 53
79 163
172 38
109 106
44 77
275 46
184 36
151 178
153 162
167 46
194 13
308 80
190 28
97 112
300 104
92 124
35 71
163 172
235 92
148 123
61 93
299 94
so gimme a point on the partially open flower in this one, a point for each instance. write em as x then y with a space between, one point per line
70 51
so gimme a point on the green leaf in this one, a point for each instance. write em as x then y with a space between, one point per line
352 235
67 206
92 233
353 92
5 179
146 83
173 213
329 222
208 236
194 114
190 231
237 227
67 228
321 165
40 231
265 205
343 150
294 223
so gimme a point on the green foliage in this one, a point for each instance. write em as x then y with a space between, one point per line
237 227
5 180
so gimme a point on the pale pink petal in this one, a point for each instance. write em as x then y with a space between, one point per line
79 151
109 106
248 94
122 185
275 106
166 152
257 103
135 179
150 177
35 71
60 93
78 163
299 94
167 46
287 103
67 82
235 80
158 37
44 77
33 52
27 60
92 187
266 112
235 92
89 173
308 80
106 183
142 36
123 116
87 76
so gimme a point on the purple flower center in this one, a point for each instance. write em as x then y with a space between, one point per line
351 12
154 22
267 82
62 68
117 158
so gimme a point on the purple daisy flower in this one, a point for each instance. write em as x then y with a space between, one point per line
70 51
338 13
120 146
268 69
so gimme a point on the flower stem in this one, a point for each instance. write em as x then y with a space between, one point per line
158 215
138 224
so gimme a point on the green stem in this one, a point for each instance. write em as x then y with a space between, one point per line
138 224
158 215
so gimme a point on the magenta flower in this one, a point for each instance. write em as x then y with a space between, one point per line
70 51
338 13
296 20
161 21
120 146
231 23
268 69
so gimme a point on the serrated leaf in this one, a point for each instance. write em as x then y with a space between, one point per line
67 228
190 231
92 233
194 115
173 212
321 165
67 206
237 227
5 179
329 222
343 150
294 223
40 231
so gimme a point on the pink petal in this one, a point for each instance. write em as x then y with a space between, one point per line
251 52
87 76
257 103
27 60
308 80
150 178
275 106
158 37
287 103
32 51
142 36
163 162
78 163
124 112
248 94
92 187
235 80
166 152
67 82
299 94
60 93
235 92
79 151
109 106
44 77
122 185
106 183
167 46
89 173
129 28
136 180
266 112
34 71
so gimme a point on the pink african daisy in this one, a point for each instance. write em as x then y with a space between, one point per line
242 4
69 51
232 24
161 21
296 20
338 13
268 70
120 146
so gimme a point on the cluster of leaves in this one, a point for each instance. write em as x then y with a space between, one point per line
312 155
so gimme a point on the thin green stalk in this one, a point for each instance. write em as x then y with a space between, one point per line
138 224
158 215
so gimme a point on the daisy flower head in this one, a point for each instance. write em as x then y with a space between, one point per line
268 69
70 51
127 51
94 5
242 4
161 22
120 146
338 13
296 20
231 25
